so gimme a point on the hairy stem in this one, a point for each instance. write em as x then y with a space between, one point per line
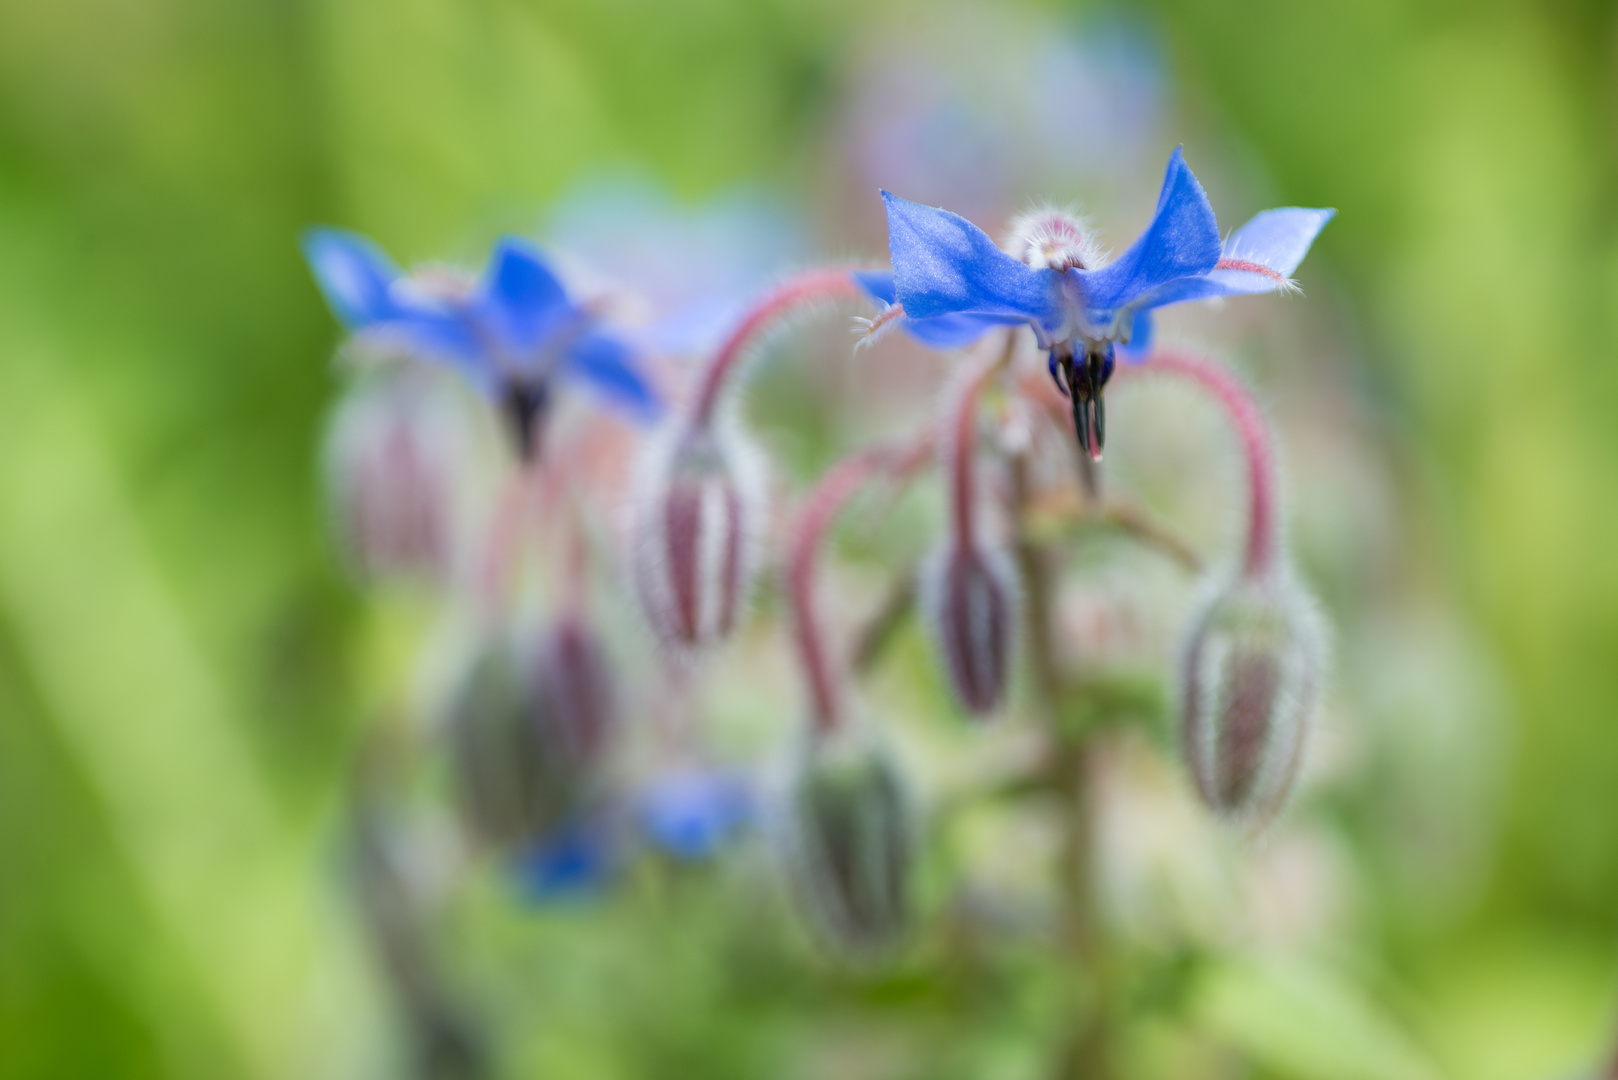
1263 539
834 490
795 292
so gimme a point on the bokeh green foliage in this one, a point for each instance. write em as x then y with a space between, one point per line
177 697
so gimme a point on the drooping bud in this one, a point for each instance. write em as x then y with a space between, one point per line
574 690
850 846
693 534
397 454
1252 674
525 727
971 604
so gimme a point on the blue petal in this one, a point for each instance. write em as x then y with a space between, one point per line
607 364
877 284
353 273
945 265
1275 239
939 332
1141 339
1181 241
574 861
691 813
519 298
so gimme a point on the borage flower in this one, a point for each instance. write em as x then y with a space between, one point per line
510 333
950 283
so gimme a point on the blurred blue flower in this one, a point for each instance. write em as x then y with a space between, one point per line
509 334
690 813
574 861
686 271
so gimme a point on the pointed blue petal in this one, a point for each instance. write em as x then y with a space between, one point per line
955 331
945 265
607 364
939 332
877 284
1141 340
353 273
519 298
1181 241
1277 240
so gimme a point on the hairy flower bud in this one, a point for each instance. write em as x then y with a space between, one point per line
524 727
851 846
1252 671
692 534
396 454
971 604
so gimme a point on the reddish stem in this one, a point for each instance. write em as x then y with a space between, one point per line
1262 520
820 510
825 284
962 435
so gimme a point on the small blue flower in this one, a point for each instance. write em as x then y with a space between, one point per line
509 334
691 813
950 283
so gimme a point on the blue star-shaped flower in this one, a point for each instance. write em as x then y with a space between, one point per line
510 334
950 283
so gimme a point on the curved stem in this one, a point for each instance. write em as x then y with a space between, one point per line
796 291
962 435
820 510
828 497
1263 537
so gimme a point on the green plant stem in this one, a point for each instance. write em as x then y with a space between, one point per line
1087 1052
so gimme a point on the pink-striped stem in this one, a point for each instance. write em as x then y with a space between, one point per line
785 298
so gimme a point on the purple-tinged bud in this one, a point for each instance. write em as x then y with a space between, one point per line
574 692
971 604
693 533
1252 671
850 844
523 727
1055 240
397 453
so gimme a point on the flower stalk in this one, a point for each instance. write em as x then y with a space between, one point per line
1258 451
789 296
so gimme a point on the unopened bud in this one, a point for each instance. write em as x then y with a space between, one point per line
971 604
1252 671
851 846
574 690
693 534
396 454
520 743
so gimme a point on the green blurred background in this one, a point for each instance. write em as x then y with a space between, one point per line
177 698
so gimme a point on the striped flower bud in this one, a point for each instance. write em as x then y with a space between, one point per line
693 531
517 775
396 454
851 847
1252 671
574 694
971 605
